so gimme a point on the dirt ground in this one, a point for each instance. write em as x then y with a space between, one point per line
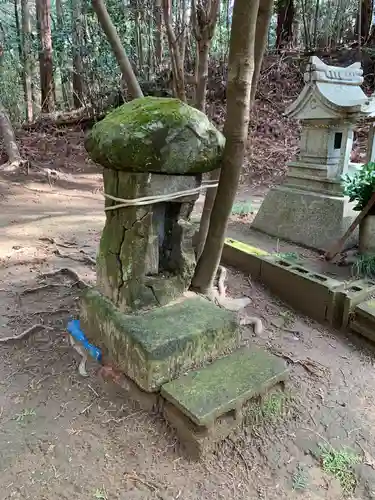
64 437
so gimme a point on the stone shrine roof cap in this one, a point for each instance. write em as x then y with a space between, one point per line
331 92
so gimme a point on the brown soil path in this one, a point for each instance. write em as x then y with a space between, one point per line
64 437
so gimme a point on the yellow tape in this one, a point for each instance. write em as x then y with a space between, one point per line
245 248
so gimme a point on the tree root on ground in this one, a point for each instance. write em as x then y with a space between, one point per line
220 298
67 271
86 259
24 335
308 364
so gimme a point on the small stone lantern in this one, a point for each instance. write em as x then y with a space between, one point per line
309 208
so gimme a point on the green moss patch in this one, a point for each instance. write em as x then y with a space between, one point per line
161 135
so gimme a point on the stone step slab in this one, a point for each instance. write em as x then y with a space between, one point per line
159 345
225 385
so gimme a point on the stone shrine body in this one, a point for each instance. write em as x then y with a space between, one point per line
309 208
174 351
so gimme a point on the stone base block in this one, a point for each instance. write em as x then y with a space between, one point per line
307 218
363 320
159 345
207 405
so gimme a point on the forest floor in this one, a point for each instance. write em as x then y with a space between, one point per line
64 437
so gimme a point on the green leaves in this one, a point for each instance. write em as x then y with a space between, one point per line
360 186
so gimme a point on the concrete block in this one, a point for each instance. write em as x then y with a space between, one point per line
206 406
363 319
349 295
159 345
200 440
243 257
305 290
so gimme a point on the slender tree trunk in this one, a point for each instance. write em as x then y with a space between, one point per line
47 86
27 59
305 26
204 17
261 37
21 51
78 71
202 77
363 21
184 30
115 42
158 15
262 26
10 143
285 20
64 72
177 62
316 20
240 75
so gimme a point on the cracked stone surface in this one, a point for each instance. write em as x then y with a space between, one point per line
146 256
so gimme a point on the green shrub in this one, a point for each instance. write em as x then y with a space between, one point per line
360 186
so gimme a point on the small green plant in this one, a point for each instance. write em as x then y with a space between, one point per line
242 208
273 405
24 415
290 256
360 186
288 318
340 463
364 266
101 494
300 478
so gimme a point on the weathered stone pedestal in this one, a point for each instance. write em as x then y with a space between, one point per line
172 350
308 218
309 208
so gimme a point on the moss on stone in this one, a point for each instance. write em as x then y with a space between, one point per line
153 134
225 385
159 345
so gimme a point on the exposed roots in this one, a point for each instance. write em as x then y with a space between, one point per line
86 259
24 335
67 271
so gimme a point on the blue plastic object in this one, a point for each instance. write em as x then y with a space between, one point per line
75 331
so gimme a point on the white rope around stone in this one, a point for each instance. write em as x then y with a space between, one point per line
149 200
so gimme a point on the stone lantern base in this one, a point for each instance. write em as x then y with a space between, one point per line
314 220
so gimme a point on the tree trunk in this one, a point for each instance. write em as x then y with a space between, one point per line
363 21
158 41
47 86
177 62
240 75
204 23
7 133
202 77
21 54
78 71
115 42
261 38
316 20
64 73
285 20
27 59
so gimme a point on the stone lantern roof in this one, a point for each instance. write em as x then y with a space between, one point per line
331 93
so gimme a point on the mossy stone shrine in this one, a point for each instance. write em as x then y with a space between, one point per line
154 152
